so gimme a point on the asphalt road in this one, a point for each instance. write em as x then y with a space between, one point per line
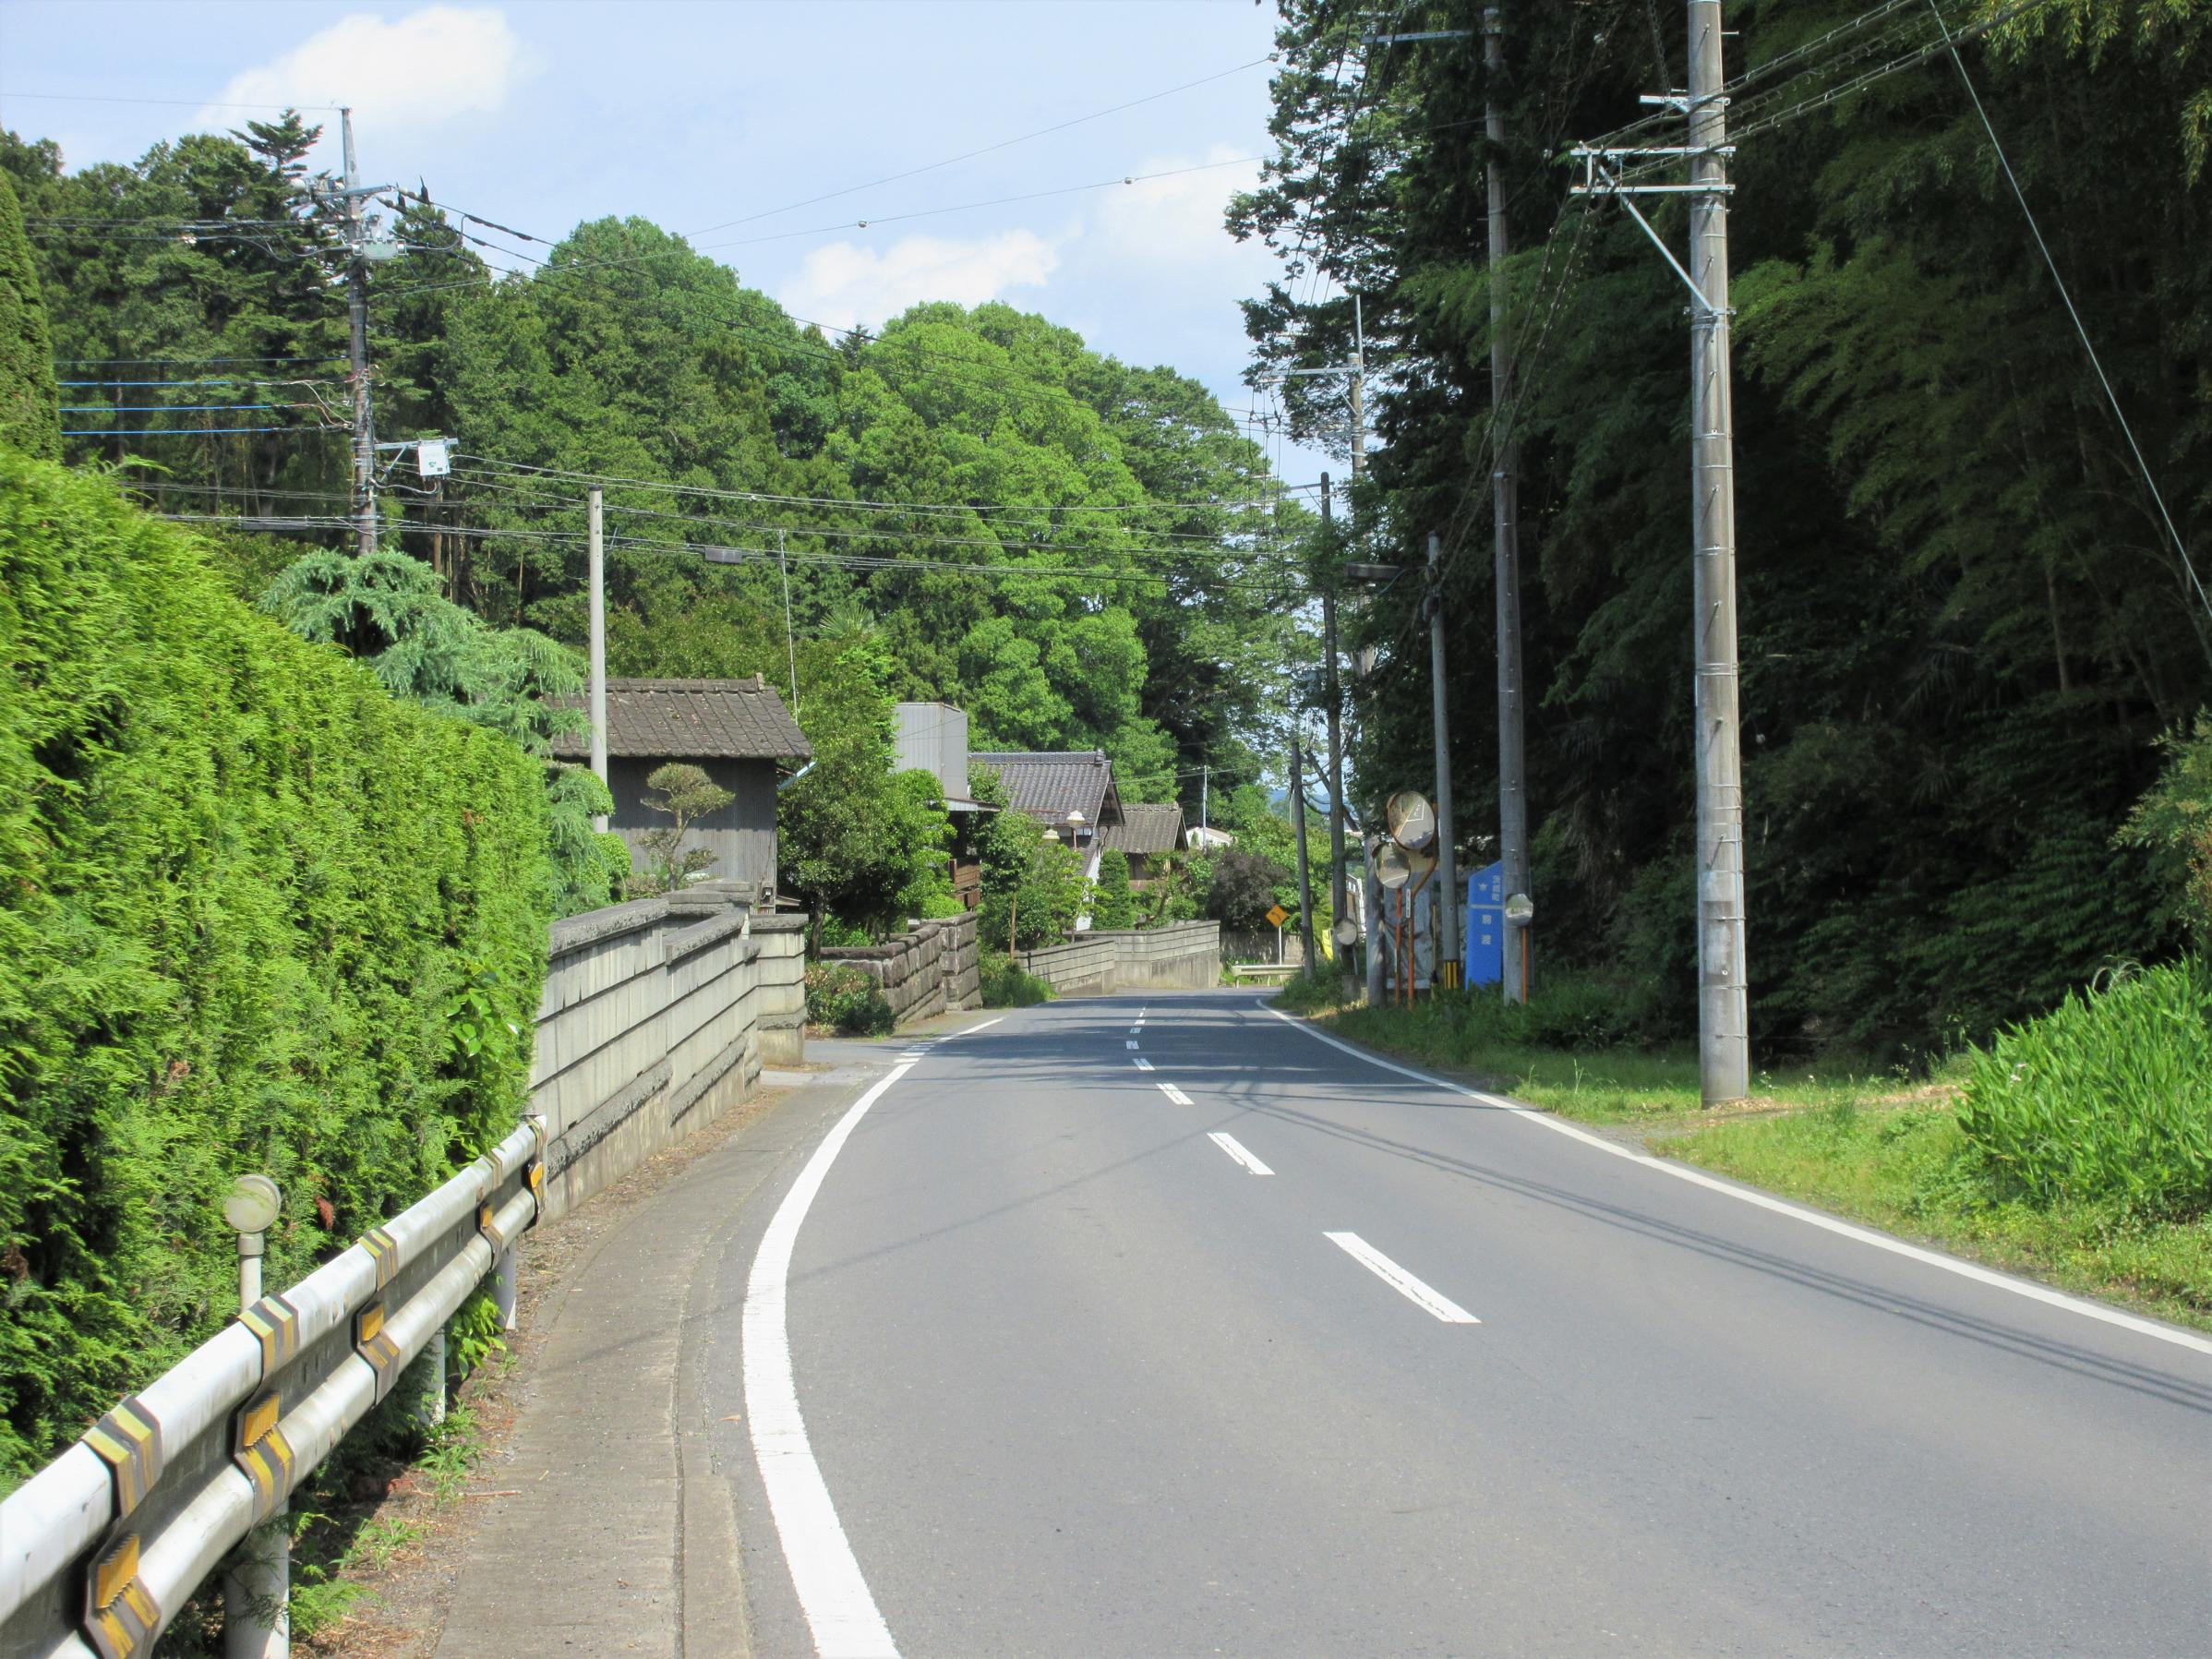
1072 1378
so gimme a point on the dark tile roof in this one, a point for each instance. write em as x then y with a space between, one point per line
691 719
1145 829
1049 787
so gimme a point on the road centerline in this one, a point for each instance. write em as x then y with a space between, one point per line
1174 1094
1236 1149
1421 1295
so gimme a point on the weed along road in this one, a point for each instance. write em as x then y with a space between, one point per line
1167 1326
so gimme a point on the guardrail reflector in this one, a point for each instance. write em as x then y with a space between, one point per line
275 1324
385 1251
262 1453
120 1615
372 1344
128 1441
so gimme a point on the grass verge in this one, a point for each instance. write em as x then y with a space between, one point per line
1882 1148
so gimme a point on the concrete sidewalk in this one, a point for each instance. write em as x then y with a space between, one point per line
612 1530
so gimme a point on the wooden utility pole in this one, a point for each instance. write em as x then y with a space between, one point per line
1505 480
1724 1000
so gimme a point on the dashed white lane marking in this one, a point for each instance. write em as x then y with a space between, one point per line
1949 1264
1399 1279
1235 1149
1132 1043
1174 1094
1141 1064
1136 1028
839 1609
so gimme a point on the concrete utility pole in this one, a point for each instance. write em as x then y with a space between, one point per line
1448 898
1332 697
1723 998
1512 769
599 625
1297 803
356 287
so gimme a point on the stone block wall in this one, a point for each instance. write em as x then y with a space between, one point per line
928 970
656 1018
1185 956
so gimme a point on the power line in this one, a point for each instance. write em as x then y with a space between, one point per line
190 103
2080 329
970 155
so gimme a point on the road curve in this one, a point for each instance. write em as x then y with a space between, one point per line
1259 1348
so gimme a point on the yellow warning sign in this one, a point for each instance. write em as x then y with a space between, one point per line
1276 916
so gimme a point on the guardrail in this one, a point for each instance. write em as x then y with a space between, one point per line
101 1548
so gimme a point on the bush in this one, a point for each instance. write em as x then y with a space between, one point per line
255 914
1008 984
1111 903
1313 988
2109 1096
846 1001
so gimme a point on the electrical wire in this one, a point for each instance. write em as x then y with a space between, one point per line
2080 329
970 155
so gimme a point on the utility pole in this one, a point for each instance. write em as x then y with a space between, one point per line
1305 908
1331 694
1448 897
356 287
597 505
1512 769
1723 999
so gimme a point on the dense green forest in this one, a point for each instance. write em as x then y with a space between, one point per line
1080 553
1964 626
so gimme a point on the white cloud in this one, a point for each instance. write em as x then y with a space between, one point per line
431 65
846 285
1177 221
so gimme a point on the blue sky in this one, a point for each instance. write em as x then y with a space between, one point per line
696 115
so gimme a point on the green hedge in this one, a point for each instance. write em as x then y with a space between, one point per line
255 914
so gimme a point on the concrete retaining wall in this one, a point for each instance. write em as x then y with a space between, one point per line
928 970
656 1018
1183 957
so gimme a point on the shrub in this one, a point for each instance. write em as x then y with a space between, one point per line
846 1001
1111 903
2108 1097
255 914
1008 984
1313 988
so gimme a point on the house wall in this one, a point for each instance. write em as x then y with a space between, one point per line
741 835
932 737
657 1015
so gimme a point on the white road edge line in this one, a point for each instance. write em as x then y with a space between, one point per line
1681 1172
982 1025
1235 1149
1174 1094
840 1611
1141 1064
1399 1279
